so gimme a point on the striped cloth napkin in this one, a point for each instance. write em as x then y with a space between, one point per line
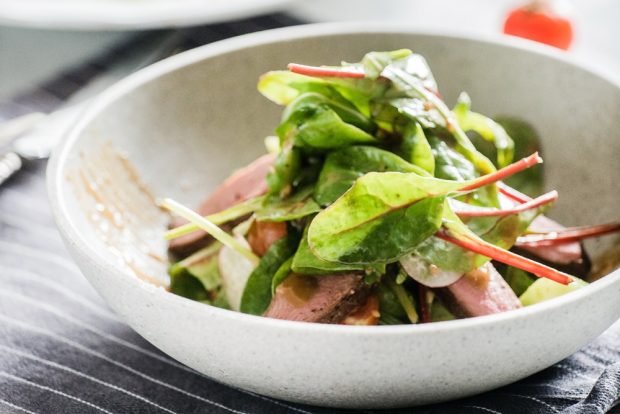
63 351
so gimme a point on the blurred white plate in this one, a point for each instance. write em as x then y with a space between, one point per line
127 14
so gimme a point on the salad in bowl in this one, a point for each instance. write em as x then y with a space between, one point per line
378 204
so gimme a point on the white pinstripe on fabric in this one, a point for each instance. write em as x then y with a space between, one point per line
565 392
83 348
539 401
55 391
55 311
486 410
17 407
84 375
574 371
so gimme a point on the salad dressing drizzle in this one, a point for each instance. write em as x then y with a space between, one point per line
297 289
123 212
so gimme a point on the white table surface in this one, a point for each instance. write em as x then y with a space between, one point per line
29 56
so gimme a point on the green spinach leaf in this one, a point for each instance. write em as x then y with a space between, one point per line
500 231
343 167
518 280
299 205
286 168
451 165
257 293
282 87
489 130
416 149
527 141
390 308
282 273
314 122
382 217
374 62
197 277
307 263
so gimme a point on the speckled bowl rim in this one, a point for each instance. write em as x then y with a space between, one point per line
72 235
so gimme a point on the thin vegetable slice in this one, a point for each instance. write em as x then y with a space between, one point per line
208 226
239 210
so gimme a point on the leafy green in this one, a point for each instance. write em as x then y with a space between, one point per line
299 205
315 122
439 312
285 170
307 263
412 85
282 87
447 256
390 308
197 277
449 164
503 231
382 217
185 284
396 113
374 62
544 289
405 298
257 293
526 141
500 231
416 149
408 72
282 273
518 280
343 167
489 130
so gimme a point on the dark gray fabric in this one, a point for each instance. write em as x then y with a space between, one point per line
63 351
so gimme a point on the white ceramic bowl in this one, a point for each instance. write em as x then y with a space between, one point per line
186 122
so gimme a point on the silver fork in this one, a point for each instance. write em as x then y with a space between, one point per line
33 136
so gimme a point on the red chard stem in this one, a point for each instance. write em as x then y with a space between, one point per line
568 235
529 205
512 194
343 72
425 315
505 172
507 257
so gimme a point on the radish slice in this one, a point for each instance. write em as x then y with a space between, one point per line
235 269
428 274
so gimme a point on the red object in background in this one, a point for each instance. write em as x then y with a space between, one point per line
539 21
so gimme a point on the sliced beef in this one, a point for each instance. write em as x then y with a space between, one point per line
480 292
263 234
244 184
567 257
321 299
